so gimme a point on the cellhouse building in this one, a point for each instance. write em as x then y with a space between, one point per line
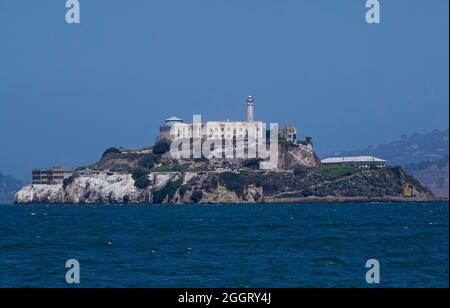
175 128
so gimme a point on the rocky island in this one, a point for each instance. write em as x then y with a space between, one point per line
291 172
151 175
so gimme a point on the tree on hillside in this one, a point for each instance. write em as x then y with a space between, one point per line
161 147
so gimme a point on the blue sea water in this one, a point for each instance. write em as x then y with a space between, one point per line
297 245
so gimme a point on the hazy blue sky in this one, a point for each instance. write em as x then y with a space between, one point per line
67 92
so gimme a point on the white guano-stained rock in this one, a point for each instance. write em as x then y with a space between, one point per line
96 188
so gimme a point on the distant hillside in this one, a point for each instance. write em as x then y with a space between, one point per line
425 156
408 150
432 174
8 187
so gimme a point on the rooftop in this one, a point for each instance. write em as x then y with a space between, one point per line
354 159
174 119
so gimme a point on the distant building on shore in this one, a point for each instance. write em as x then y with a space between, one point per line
55 175
362 162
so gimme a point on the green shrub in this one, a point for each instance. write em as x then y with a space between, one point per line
161 147
169 168
143 182
167 191
138 173
335 172
126 199
252 163
159 196
184 189
257 196
197 196
270 187
301 171
68 181
307 192
211 184
148 162
111 151
172 187
233 181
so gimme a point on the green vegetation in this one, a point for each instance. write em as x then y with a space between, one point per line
111 150
271 186
252 163
142 182
197 196
161 147
159 196
140 177
149 161
139 173
332 173
301 171
68 181
237 182
307 192
169 168
210 184
184 189
233 181
126 199
167 191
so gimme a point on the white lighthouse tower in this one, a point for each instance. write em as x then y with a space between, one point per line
250 109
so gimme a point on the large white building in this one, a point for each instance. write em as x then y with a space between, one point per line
362 162
175 128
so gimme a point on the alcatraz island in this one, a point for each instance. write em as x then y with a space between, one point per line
153 174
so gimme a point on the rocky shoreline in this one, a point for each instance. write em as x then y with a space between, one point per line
146 176
214 188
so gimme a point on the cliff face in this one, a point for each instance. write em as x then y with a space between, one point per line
94 188
312 184
149 176
290 156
